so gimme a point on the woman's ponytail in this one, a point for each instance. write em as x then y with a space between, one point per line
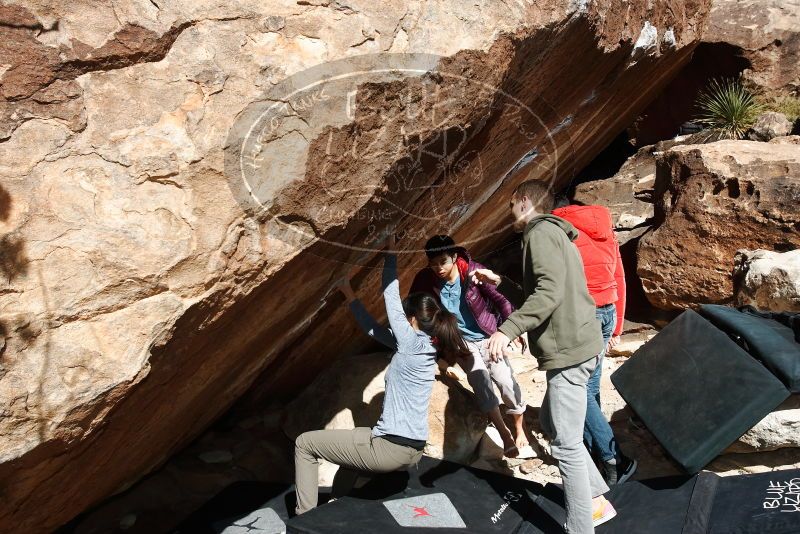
449 343
440 324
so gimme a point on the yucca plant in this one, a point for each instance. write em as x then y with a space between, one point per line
727 108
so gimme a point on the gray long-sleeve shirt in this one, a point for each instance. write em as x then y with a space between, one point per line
409 378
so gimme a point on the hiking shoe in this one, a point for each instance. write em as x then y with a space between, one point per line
619 471
603 512
609 472
625 469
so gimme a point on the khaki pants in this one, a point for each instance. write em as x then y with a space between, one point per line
354 451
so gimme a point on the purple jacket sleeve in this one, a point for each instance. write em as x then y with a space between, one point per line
500 303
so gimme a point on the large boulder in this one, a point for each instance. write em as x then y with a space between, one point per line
713 200
629 194
181 190
766 33
767 280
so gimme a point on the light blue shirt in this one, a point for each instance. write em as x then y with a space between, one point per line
410 376
455 301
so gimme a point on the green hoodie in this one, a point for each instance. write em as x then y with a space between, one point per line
558 313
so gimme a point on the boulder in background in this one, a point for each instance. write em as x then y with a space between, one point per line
769 281
770 125
713 200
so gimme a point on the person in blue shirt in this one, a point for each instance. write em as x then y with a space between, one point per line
420 331
480 309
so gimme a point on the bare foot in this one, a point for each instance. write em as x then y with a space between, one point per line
521 441
519 431
509 447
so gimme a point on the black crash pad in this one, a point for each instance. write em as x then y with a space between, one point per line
696 390
766 503
243 508
441 493
438 495
657 506
765 339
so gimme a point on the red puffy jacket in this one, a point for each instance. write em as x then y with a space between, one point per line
599 250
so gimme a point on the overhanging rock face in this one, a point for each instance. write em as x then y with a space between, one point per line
147 283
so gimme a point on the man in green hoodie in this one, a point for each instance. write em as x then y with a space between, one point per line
559 316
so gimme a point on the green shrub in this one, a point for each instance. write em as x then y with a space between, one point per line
727 108
788 105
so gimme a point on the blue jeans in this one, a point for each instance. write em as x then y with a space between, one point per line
596 431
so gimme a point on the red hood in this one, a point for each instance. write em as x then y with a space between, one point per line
462 262
594 221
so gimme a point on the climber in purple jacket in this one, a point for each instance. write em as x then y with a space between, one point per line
479 310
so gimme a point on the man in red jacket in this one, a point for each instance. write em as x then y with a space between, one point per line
605 278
